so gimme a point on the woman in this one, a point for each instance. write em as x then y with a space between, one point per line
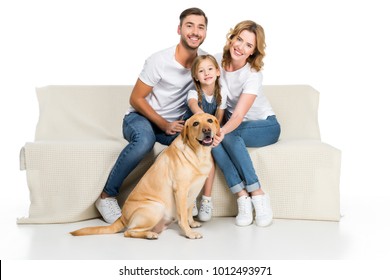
251 121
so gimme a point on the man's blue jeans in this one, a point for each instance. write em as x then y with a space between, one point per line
232 156
141 135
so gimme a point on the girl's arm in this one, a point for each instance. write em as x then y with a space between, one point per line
194 107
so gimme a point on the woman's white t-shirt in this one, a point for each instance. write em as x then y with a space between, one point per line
171 82
245 80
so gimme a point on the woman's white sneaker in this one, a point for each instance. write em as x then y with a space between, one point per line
262 205
245 211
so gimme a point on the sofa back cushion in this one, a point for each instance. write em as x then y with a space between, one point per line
296 107
71 113
81 113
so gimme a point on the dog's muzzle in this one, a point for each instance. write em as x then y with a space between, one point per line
207 139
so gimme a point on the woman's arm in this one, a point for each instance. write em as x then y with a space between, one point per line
245 102
220 114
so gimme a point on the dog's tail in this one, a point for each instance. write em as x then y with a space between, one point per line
117 226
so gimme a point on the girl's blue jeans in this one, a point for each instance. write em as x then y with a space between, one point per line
141 135
232 156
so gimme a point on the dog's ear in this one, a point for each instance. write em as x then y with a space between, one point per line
184 133
217 125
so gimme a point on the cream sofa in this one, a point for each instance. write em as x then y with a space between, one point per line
78 138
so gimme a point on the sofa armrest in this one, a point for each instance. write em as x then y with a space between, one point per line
65 178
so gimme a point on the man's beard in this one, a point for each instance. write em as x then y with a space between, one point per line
189 47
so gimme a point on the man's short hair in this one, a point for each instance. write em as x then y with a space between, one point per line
192 11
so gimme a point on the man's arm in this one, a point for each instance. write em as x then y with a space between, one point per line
139 103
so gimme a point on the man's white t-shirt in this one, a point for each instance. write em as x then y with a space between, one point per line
245 80
171 82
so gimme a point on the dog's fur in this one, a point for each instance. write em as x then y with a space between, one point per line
169 188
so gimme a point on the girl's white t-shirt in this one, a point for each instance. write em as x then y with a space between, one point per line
171 82
245 80
194 94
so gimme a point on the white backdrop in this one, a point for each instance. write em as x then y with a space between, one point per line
339 47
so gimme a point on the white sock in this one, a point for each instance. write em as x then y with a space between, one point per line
257 197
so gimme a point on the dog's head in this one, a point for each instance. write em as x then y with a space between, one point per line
200 129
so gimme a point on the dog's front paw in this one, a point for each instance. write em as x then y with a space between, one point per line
194 235
141 234
194 224
151 235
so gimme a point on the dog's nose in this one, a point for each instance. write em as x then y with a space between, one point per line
206 130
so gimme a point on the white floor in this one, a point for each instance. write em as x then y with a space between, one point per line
358 245
362 233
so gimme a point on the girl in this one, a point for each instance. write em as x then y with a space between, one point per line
209 98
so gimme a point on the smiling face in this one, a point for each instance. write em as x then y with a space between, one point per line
200 129
242 46
206 72
193 31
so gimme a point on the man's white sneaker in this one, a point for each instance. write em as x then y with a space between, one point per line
262 205
205 211
108 208
245 211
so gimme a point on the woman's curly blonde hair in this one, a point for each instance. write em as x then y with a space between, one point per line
255 60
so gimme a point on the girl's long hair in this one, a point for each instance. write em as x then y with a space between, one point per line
217 87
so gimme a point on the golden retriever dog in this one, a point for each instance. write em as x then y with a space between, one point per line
167 191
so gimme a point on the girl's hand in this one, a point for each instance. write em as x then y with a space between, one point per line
218 137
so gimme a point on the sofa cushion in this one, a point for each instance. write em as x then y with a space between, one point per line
301 177
296 107
66 178
82 113
96 112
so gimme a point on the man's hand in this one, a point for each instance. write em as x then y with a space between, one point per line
174 127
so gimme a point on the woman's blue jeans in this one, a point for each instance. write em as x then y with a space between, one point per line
232 156
141 135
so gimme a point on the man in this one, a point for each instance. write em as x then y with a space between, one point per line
158 102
